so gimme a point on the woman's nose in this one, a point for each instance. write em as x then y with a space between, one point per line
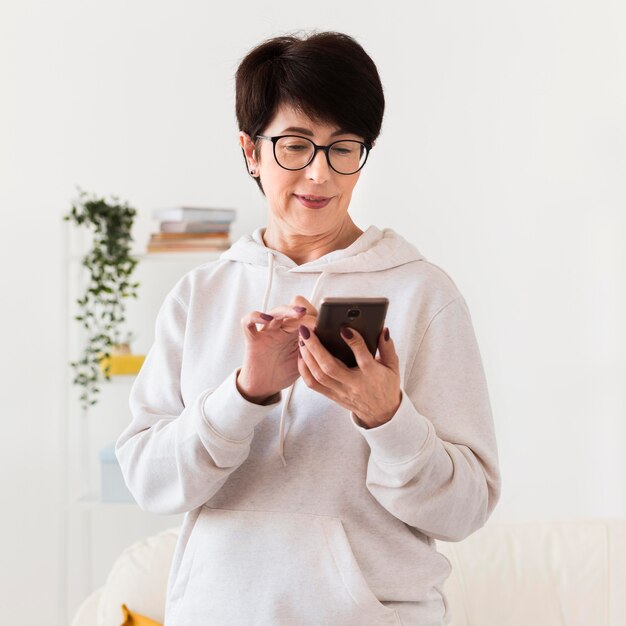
318 169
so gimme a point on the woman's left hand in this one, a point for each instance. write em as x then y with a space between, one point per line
371 390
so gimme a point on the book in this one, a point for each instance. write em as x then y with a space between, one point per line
181 242
194 214
194 227
188 236
180 247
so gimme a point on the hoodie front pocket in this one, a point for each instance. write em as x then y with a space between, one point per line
275 568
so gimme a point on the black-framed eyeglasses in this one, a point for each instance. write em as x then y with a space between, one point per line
344 156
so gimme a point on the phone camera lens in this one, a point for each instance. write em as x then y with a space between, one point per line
353 313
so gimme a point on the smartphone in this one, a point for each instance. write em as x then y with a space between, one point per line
365 315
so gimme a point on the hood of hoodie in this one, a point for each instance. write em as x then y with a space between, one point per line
374 250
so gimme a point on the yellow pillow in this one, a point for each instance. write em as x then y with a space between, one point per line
134 619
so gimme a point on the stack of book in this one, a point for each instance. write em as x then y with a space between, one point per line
195 229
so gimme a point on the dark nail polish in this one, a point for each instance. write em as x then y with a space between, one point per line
267 317
299 309
346 332
304 331
301 343
386 334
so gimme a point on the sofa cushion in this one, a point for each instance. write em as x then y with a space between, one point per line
87 612
138 579
571 573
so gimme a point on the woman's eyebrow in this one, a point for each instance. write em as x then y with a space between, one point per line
306 131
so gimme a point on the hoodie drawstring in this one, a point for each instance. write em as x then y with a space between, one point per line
313 296
270 275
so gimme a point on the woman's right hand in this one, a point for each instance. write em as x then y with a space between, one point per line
271 356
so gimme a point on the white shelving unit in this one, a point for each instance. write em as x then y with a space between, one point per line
95 532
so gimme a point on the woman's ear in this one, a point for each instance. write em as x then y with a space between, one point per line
249 152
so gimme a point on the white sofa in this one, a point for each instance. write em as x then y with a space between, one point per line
567 573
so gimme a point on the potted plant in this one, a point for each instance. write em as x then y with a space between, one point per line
110 266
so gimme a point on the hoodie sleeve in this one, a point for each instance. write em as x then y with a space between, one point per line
173 457
434 465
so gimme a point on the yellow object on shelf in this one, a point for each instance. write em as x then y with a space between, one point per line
122 364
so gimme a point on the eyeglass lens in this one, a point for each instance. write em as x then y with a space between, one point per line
295 152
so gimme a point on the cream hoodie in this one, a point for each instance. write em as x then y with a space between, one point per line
295 514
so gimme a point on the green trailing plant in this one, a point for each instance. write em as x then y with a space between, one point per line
110 266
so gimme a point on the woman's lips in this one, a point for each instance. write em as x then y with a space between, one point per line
313 202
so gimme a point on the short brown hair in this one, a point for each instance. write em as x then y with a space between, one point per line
326 75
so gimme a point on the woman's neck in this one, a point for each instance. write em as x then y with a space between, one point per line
302 248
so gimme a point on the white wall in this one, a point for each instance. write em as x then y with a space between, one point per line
502 158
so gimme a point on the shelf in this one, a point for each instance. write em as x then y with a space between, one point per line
92 501
96 530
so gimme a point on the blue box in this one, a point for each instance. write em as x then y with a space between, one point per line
114 488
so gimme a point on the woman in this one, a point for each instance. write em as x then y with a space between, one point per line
312 492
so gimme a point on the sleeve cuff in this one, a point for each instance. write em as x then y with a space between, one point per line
402 438
230 415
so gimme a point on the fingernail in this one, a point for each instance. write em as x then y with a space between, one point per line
304 331
301 343
299 309
267 317
386 334
346 332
